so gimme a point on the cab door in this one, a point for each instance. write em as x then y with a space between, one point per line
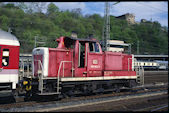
80 59
94 60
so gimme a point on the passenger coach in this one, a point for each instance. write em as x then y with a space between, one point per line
9 61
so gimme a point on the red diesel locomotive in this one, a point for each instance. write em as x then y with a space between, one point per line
79 66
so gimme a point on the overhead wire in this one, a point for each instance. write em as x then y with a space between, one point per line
152 7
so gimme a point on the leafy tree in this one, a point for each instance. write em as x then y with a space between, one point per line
77 12
4 20
52 9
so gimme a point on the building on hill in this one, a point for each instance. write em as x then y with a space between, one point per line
143 20
130 18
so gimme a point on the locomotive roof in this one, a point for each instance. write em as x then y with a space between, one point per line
7 38
82 39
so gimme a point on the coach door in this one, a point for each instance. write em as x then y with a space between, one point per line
4 64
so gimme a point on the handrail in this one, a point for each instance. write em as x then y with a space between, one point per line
140 73
129 63
58 77
40 64
62 62
23 74
40 76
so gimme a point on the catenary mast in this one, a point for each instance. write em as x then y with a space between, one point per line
106 27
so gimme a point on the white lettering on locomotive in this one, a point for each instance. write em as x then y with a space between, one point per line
95 66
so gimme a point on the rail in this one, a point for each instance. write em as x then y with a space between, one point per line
58 77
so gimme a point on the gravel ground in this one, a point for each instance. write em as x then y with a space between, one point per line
122 105
58 104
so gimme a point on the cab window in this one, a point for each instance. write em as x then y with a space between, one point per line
5 57
94 47
91 47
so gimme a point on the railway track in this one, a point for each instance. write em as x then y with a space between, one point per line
154 108
36 105
154 81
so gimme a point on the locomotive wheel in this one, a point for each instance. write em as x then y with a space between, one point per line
64 95
59 97
101 90
86 90
117 88
132 83
68 94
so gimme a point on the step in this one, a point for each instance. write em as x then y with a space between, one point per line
59 87
49 93
7 86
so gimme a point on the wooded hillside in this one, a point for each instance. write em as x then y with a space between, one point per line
27 24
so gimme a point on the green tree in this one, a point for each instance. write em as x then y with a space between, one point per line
52 9
4 22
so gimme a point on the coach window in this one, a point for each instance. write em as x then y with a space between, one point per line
5 57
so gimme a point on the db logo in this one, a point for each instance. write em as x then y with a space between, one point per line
95 61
